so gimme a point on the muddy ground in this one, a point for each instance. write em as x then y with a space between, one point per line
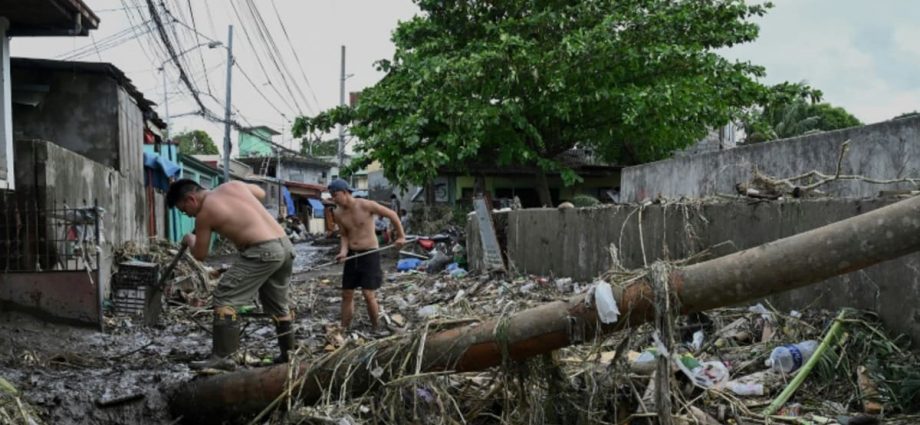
82 376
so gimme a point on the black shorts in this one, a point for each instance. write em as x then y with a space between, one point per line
362 272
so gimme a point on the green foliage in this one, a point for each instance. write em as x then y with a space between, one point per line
580 201
318 147
793 110
195 142
521 81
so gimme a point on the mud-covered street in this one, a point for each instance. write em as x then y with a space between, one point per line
75 375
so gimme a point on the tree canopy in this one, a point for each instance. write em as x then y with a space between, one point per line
195 142
793 110
522 81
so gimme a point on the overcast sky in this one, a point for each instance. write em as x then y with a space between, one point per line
864 55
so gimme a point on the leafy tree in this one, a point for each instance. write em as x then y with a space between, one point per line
195 142
833 117
318 147
793 110
521 81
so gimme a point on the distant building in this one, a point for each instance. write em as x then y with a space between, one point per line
256 142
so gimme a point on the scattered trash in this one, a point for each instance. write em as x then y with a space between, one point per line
407 264
789 358
718 362
606 305
428 311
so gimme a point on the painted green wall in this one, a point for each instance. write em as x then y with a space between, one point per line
253 145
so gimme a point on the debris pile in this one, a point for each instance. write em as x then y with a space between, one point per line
720 364
742 365
190 282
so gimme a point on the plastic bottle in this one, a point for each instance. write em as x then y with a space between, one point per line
788 358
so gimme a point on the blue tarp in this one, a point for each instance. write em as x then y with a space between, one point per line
318 208
163 170
288 200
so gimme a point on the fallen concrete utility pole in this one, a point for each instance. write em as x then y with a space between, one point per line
778 266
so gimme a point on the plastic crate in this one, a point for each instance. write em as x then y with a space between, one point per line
135 291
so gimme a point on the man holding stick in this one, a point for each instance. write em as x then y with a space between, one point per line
355 218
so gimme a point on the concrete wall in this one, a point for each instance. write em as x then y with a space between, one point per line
575 242
49 173
887 150
303 173
80 113
69 296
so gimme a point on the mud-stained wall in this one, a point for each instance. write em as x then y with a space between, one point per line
887 150
576 243
50 174
69 296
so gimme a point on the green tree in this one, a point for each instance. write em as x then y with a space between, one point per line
195 142
521 81
793 110
318 147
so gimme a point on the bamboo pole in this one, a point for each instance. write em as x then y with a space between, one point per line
796 261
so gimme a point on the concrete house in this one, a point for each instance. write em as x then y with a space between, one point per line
79 130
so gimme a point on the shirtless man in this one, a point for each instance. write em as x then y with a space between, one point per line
355 218
266 256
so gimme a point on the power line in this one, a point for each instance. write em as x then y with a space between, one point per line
296 56
198 41
172 53
253 84
258 59
102 44
274 53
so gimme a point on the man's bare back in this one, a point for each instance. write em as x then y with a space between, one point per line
233 210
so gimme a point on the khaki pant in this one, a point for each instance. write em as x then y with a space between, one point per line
263 268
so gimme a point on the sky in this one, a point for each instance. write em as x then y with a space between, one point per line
864 55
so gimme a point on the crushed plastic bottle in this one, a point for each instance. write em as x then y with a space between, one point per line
789 358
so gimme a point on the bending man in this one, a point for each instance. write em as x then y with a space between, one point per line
266 256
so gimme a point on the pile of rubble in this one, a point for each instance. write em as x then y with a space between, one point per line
847 370
719 366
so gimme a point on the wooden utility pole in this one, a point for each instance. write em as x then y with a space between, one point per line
778 266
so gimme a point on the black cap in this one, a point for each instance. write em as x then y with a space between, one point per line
337 185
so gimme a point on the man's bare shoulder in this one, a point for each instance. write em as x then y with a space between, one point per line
231 187
367 204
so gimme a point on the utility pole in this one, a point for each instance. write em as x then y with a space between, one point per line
227 110
342 127
165 101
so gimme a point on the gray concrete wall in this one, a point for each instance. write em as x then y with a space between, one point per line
887 150
49 173
80 112
575 243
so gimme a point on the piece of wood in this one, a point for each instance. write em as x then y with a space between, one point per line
491 251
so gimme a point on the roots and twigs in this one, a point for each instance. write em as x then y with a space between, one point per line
807 184
13 410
